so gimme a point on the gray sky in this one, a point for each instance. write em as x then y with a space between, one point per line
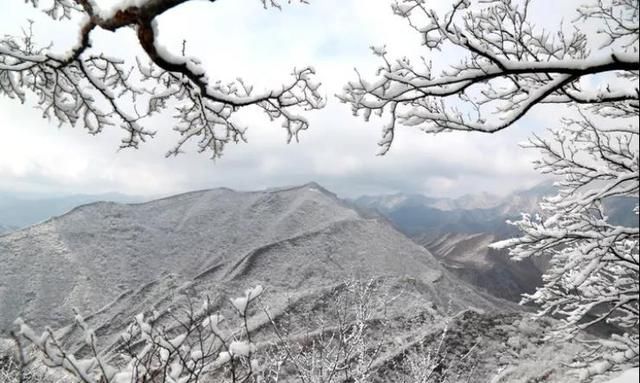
238 38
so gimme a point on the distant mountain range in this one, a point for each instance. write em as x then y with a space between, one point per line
458 232
416 214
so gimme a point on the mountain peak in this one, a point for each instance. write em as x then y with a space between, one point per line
316 187
307 187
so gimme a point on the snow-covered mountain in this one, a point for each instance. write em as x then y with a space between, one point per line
112 261
469 257
109 254
390 202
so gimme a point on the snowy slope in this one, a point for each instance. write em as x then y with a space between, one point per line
629 376
125 256
469 257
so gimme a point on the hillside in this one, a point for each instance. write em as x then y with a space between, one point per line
469 257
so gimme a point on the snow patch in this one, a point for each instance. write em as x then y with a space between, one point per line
629 376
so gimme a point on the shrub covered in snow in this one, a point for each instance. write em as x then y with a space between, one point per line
195 343
198 344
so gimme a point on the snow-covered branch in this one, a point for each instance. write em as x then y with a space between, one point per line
510 66
81 87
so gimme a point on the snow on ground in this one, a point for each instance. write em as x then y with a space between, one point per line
629 376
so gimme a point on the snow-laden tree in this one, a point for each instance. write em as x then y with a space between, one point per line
94 89
594 263
509 66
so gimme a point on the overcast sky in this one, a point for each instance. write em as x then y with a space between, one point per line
239 38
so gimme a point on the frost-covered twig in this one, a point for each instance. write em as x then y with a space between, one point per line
342 343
